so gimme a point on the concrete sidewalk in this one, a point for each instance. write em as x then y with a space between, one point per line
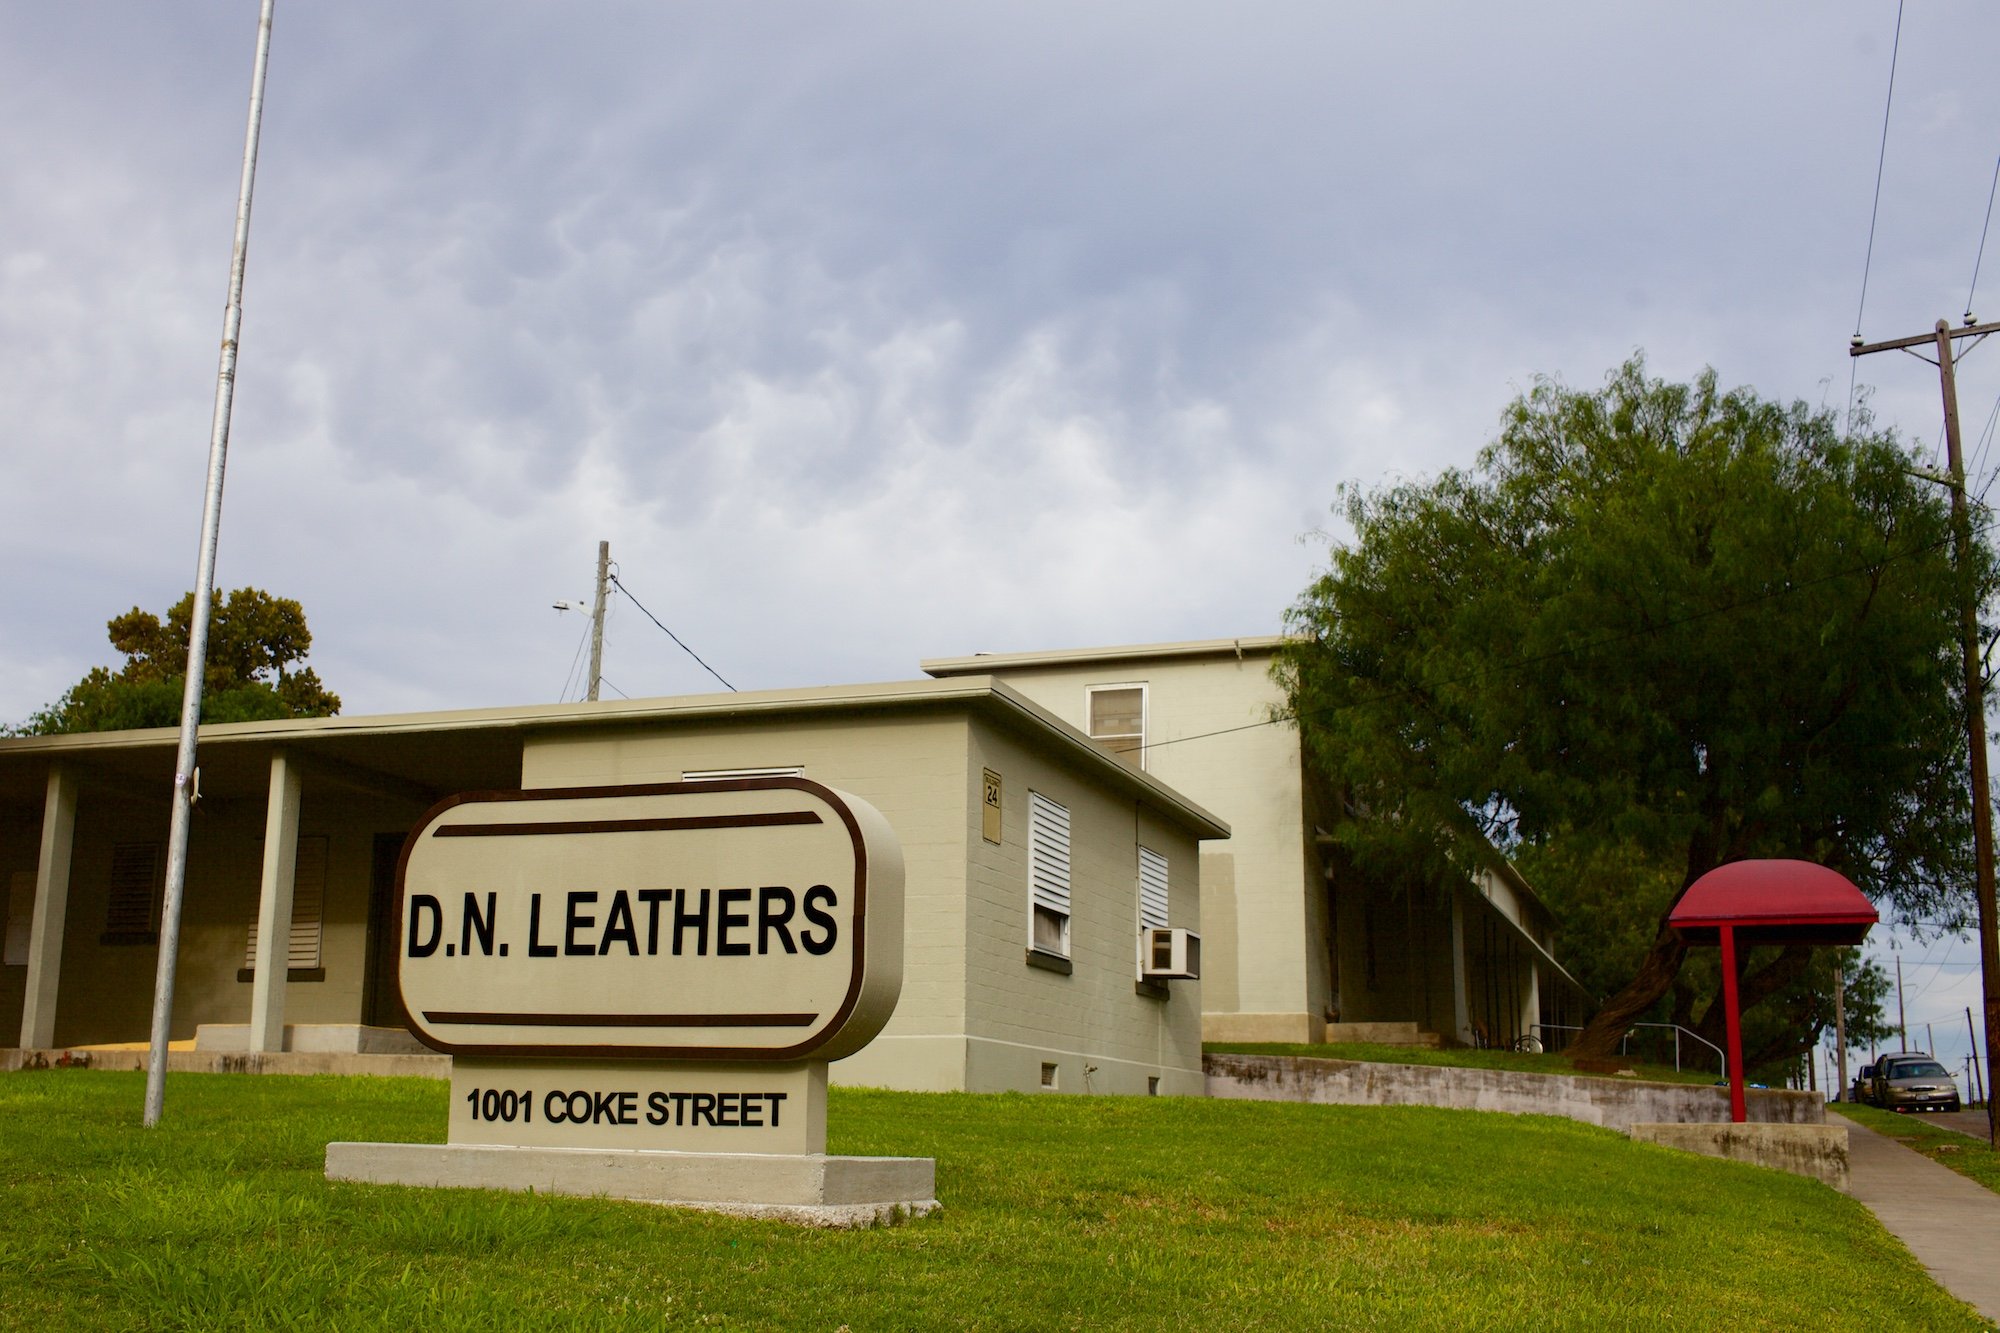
1949 1223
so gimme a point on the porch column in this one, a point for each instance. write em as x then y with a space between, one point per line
45 932
1531 1002
274 906
1461 1010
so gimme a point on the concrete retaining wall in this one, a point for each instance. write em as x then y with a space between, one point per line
1819 1151
223 1062
1614 1103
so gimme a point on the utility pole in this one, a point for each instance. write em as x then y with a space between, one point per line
1941 338
1840 1025
1973 1037
597 620
186 775
1902 1015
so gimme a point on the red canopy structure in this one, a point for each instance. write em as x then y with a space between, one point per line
1766 902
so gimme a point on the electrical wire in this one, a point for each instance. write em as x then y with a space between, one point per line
575 664
621 694
1875 208
1985 447
1982 239
670 634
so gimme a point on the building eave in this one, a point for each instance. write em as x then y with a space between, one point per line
988 663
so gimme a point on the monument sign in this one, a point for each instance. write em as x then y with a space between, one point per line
662 970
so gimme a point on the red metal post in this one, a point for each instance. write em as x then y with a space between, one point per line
1738 1111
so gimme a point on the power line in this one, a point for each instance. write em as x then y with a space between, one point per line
619 583
1875 208
1982 239
570 678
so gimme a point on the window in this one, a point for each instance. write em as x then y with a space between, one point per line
1118 721
1048 875
138 878
308 909
1152 890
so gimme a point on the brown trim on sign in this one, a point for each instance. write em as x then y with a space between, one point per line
621 1020
664 824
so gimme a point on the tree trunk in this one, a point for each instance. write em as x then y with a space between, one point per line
1601 1035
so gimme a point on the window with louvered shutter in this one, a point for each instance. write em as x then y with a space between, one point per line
1152 890
132 912
1048 874
308 908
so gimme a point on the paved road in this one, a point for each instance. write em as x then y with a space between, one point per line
1965 1122
1949 1223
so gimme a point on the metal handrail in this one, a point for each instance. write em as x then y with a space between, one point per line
1720 1056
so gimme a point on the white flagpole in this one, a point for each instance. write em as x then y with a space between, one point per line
204 596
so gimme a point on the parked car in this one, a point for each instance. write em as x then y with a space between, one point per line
1864 1085
1913 1083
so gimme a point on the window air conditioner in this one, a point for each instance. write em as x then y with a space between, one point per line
1165 953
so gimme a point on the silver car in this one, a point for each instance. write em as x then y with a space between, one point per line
1914 1083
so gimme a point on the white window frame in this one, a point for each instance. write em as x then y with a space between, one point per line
1048 871
1137 754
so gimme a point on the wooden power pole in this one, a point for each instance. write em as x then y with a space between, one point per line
1940 340
597 619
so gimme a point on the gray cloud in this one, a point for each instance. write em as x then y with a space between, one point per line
867 333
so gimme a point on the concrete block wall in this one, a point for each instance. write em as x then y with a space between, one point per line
911 767
1611 1102
1093 1025
973 1014
1263 923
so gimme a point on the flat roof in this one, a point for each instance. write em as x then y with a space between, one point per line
981 663
479 748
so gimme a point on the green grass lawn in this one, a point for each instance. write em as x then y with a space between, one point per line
1455 1057
1972 1158
1060 1212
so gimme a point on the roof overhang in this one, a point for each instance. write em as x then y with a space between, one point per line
480 748
986 663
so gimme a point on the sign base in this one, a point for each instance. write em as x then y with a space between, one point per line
808 1189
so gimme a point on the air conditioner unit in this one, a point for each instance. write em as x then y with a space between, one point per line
1167 953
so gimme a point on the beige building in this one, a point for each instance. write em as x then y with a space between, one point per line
1031 860
1295 949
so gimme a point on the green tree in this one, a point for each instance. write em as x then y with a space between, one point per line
1656 628
257 645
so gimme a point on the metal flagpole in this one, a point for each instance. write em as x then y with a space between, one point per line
204 596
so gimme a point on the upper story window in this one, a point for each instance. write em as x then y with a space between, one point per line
1117 721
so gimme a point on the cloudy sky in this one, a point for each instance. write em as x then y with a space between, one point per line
871 332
